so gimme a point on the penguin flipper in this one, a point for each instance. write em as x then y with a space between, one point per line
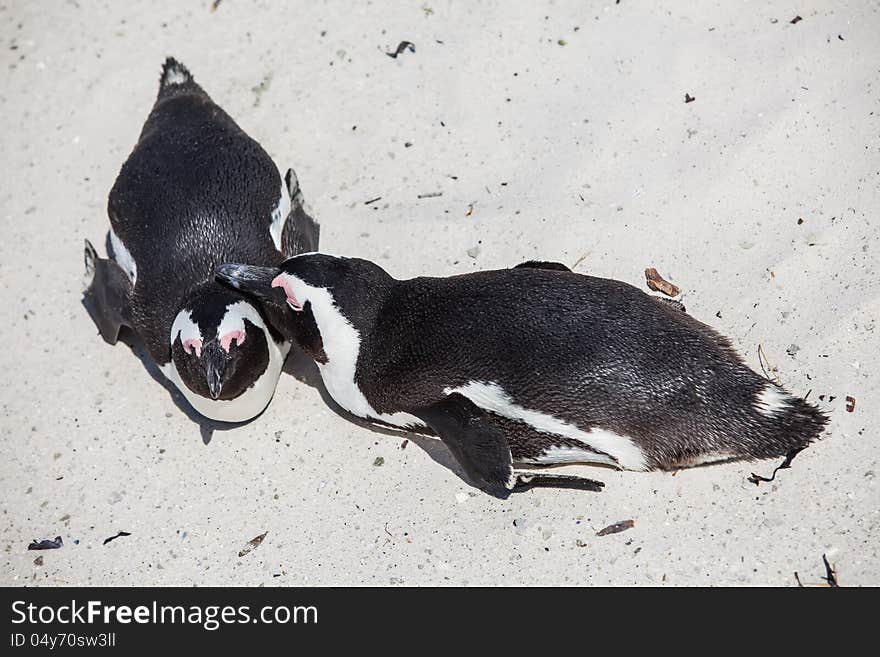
107 294
542 264
482 451
301 231
476 443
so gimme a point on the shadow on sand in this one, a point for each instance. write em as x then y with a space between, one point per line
303 369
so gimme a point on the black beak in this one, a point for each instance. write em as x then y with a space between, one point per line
254 281
215 385
215 367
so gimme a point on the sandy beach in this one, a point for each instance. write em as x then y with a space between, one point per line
513 132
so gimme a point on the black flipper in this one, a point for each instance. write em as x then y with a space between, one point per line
108 291
541 264
476 443
301 231
482 451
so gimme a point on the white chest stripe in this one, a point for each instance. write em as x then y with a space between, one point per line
123 257
492 397
234 318
279 216
185 327
342 345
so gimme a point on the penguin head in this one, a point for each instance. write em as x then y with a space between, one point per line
309 287
219 344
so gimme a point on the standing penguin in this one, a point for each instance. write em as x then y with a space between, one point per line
197 191
532 366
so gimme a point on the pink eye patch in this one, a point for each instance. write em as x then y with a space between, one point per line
280 281
226 340
193 343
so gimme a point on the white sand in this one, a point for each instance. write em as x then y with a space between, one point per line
605 166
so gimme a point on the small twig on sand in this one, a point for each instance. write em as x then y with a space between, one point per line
765 365
579 261
830 575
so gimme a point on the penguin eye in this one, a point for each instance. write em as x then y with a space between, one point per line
193 343
226 340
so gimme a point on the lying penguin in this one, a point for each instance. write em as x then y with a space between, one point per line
197 191
528 367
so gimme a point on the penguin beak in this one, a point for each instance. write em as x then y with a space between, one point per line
215 367
215 384
251 280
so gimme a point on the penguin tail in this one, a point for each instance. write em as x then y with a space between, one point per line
793 423
174 74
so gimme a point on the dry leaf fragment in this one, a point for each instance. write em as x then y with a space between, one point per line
659 284
617 527
252 544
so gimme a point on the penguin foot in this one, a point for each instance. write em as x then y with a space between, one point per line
524 480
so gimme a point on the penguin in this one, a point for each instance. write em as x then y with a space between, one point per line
523 369
197 191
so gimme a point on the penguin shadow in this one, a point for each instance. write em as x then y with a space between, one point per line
207 427
298 365
303 368
132 340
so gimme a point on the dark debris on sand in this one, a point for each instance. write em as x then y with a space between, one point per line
757 479
46 544
402 47
118 535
